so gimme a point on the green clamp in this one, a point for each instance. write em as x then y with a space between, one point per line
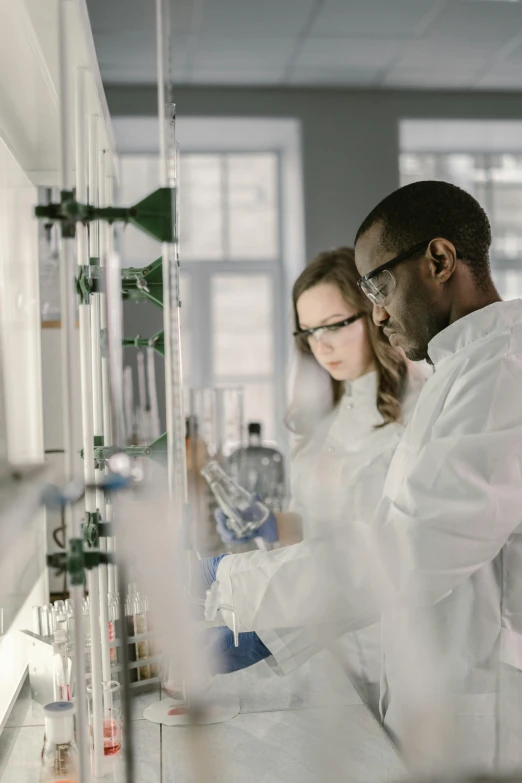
91 529
144 283
72 562
94 558
154 215
157 341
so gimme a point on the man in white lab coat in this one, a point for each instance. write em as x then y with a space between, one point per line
449 524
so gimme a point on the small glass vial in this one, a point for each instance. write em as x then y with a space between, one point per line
46 621
59 754
112 726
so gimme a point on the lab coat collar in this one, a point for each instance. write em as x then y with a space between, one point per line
473 327
365 386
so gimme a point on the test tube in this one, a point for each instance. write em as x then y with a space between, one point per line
87 634
37 626
129 619
46 620
153 648
62 690
142 646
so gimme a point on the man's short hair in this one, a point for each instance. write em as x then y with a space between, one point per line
430 209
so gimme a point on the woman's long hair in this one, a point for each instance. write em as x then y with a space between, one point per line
338 268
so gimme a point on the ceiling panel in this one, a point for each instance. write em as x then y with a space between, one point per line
371 18
267 52
431 54
343 53
469 21
451 44
230 18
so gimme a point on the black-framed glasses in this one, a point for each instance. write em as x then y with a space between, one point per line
378 284
317 332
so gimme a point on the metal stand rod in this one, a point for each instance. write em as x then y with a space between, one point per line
97 398
68 380
87 421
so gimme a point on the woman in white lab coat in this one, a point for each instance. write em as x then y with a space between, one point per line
353 393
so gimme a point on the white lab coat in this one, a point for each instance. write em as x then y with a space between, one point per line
336 476
449 528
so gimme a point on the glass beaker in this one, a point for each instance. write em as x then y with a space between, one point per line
59 754
111 699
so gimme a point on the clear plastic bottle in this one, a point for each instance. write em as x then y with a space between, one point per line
244 513
259 469
59 755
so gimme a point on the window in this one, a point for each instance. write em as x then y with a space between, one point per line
493 177
231 270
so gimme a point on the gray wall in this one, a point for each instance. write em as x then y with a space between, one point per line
349 137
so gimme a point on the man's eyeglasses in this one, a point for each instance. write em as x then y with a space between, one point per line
318 332
379 284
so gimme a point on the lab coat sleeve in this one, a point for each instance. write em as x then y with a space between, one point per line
450 512
291 647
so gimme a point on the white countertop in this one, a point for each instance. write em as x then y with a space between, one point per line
309 726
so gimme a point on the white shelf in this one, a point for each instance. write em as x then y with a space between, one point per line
29 86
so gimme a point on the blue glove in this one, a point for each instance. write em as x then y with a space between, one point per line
228 658
207 567
268 530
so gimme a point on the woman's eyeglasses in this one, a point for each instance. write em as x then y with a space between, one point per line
317 333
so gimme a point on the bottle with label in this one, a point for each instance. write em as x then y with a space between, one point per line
259 469
202 504
59 755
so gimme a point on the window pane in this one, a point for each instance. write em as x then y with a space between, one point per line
252 206
201 207
416 167
259 406
138 177
242 320
509 283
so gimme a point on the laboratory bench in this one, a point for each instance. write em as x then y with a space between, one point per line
308 726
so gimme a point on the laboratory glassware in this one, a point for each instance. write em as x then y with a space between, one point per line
245 514
59 755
